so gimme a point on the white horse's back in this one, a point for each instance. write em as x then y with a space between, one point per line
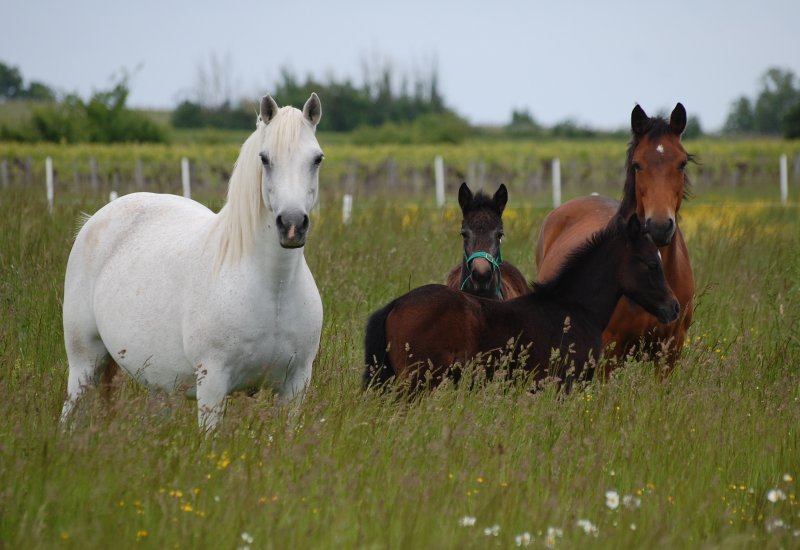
126 269
185 299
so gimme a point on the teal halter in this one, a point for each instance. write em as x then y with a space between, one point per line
496 263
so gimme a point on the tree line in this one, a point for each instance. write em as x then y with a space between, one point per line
775 111
388 107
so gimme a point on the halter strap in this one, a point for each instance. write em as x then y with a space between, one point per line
495 263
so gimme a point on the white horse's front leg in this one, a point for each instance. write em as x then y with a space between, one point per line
212 389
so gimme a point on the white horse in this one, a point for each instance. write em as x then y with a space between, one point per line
188 300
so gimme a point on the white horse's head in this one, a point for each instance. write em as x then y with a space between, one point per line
290 157
275 181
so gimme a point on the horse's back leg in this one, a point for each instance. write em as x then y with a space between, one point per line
89 363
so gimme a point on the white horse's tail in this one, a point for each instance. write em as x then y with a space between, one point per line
83 217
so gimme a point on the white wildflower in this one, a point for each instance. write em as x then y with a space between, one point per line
552 534
588 527
788 478
774 524
466 521
612 499
633 527
247 537
631 501
492 531
523 540
774 495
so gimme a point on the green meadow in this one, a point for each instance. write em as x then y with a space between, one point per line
707 456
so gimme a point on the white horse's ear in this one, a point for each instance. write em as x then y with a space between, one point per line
312 110
268 109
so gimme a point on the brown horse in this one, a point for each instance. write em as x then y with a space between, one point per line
430 332
655 185
482 271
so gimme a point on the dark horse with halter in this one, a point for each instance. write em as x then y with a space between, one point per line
655 185
428 333
483 271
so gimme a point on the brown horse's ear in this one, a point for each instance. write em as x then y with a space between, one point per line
268 109
640 122
677 120
501 198
464 196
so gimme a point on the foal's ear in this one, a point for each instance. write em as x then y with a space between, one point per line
677 120
634 227
501 198
464 196
639 121
268 109
312 110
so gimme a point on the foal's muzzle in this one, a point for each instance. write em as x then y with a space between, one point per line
292 228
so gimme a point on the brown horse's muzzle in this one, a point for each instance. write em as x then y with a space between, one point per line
669 312
661 231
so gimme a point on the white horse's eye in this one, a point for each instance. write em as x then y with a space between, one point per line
264 159
318 159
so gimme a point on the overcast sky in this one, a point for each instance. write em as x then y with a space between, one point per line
586 60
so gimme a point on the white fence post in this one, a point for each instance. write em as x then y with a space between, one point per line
187 182
556 183
784 180
438 168
347 208
48 169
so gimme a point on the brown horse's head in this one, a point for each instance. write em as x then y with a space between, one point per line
482 230
641 273
656 182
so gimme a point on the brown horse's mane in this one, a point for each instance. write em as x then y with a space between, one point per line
656 127
598 238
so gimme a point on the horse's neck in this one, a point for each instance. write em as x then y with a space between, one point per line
276 263
591 284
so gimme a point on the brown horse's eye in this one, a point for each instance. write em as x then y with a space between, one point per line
682 166
636 167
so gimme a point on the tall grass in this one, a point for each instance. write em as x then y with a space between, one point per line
696 453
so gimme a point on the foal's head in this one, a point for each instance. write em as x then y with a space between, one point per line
482 230
655 181
641 273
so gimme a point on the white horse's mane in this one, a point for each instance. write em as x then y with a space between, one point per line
239 220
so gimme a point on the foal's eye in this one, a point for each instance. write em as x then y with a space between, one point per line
501 235
637 167
464 234
682 166
264 159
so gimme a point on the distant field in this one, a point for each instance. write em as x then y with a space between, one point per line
745 169
695 460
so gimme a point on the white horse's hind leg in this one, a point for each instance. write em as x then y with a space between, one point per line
88 359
